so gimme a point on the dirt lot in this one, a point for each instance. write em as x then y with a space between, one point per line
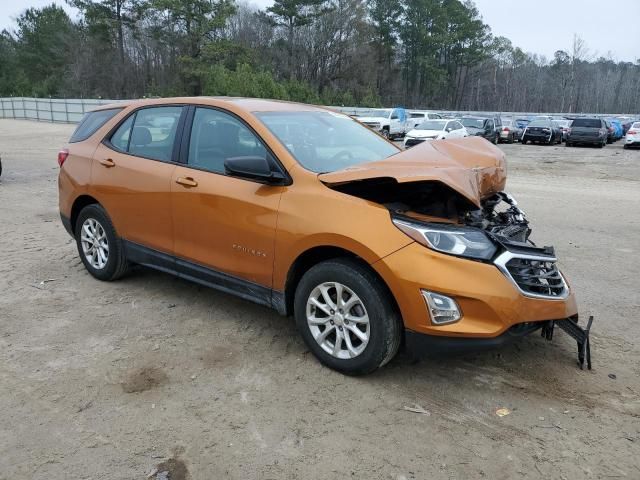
153 374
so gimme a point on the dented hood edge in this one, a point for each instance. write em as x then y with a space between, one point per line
471 166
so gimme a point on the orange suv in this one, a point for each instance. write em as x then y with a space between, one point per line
307 211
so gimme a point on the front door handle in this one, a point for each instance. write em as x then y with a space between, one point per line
187 181
107 162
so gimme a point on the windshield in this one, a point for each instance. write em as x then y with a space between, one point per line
473 122
326 141
432 125
376 113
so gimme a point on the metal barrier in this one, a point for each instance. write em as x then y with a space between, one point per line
61 110
71 110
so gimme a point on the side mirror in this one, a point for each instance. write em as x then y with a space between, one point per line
449 129
254 168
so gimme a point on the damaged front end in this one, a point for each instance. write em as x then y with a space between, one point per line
450 198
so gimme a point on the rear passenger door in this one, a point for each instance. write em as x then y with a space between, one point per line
223 223
131 175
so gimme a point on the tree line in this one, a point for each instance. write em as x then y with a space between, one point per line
418 53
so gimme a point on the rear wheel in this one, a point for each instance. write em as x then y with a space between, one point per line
99 246
347 317
385 134
511 138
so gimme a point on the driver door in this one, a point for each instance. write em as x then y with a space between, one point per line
222 223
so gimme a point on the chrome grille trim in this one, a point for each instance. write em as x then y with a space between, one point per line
505 257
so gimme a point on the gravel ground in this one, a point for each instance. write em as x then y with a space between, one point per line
152 374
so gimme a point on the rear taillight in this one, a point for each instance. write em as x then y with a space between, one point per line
505 129
62 156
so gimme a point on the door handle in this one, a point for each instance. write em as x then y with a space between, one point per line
187 181
107 162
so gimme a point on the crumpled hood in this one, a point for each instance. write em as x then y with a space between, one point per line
472 166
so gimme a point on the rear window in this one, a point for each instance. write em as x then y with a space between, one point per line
91 122
587 122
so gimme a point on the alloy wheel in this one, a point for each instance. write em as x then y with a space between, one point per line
338 320
95 245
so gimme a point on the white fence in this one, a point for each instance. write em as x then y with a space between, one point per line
63 110
70 110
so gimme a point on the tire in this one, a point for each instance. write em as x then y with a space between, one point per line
383 330
568 144
116 265
601 145
511 139
385 134
495 140
523 141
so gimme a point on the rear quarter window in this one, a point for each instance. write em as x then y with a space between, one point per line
91 122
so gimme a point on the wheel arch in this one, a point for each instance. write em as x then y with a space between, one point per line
315 255
78 204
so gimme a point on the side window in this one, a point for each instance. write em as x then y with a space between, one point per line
154 132
120 139
434 116
490 125
149 133
394 115
458 126
216 136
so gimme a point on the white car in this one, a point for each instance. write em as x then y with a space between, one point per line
435 130
416 117
632 139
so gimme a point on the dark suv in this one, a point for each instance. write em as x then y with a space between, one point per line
487 127
591 131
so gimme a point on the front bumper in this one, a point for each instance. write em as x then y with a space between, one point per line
490 302
421 345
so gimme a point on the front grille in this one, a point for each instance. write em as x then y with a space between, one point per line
537 277
413 141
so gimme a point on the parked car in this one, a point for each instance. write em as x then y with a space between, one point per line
611 131
389 122
416 117
591 131
484 127
618 131
509 132
564 125
542 130
632 139
434 130
306 211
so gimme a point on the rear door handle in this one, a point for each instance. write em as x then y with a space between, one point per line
187 181
107 162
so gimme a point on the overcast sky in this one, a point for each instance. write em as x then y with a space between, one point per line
542 26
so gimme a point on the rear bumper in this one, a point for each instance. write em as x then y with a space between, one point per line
585 139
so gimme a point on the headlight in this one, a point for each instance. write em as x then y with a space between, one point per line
454 240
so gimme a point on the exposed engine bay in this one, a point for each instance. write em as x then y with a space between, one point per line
436 202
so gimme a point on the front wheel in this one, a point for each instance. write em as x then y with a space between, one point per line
346 317
385 134
99 246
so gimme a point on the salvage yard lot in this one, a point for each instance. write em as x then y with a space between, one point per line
110 380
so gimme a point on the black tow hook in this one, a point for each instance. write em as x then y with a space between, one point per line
579 334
